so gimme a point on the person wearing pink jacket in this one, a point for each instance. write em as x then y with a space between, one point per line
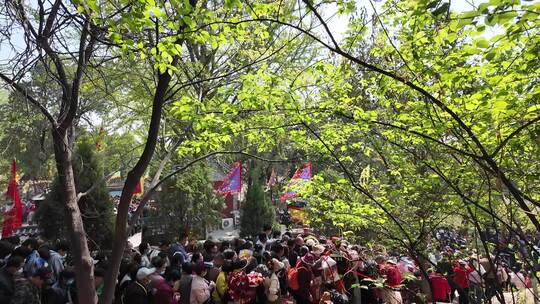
200 288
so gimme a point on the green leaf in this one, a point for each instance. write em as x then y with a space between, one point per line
534 108
481 43
93 5
506 16
188 21
469 15
500 105
157 12
483 8
491 20
489 56
464 21
470 50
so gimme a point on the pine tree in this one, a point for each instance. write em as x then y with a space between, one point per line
257 210
96 207
186 203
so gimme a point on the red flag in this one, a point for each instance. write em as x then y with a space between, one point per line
233 182
139 188
12 217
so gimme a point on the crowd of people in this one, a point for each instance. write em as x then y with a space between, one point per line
270 268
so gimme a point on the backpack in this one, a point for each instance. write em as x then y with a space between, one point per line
292 277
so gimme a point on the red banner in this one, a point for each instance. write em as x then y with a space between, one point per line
233 182
13 216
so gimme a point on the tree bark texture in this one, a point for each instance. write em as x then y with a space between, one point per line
84 276
133 177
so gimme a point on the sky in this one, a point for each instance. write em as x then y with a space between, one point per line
338 24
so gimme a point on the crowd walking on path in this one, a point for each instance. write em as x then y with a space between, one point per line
270 268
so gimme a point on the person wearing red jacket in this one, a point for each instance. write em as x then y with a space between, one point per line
461 278
441 288
389 270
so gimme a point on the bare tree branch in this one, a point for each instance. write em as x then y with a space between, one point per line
514 133
36 103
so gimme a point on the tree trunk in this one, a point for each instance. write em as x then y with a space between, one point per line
81 255
133 177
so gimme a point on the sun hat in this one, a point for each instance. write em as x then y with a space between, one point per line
245 254
310 242
144 272
327 263
308 259
318 250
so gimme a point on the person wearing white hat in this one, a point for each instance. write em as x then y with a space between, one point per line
273 293
137 292
329 270
317 250
310 243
